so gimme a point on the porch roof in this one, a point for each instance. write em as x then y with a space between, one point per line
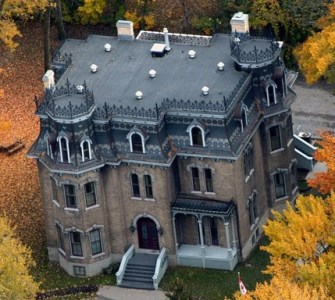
202 205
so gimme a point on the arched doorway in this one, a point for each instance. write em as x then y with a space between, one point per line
147 234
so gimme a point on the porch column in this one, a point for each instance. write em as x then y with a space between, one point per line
226 225
201 233
233 230
175 236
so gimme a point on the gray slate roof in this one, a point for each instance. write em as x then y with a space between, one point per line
124 70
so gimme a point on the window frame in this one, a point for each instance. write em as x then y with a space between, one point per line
199 137
195 179
60 237
85 151
64 149
139 146
77 270
268 95
209 180
135 185
89 194
76 245
280 185
253 209
96 242
275 139
148 186
68 195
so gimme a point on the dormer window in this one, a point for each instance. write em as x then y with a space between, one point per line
86 152
137 139
197 134
271 98
64 149
241 115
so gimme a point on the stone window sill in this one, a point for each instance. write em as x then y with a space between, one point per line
281 199
149 199
277 150
98 255
61 251
92 207
71 209
56 203
77 257
136 198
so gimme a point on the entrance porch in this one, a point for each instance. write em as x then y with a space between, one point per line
205 233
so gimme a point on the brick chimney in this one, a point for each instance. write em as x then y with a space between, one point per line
125 30
239 23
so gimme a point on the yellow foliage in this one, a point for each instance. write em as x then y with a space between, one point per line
132 16
149 21
302 243
13 10
325 181
15 281
91 11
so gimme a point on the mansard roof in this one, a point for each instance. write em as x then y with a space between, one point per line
125 70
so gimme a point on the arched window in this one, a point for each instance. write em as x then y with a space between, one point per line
148 186
136 142
197 139
64 149
85 147
135 185
271 95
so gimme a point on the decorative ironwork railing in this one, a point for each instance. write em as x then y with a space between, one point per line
176 38
256 55
49 104
60 63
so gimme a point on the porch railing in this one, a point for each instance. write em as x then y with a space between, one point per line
161 266
126 257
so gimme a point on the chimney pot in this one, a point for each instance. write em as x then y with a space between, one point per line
239 23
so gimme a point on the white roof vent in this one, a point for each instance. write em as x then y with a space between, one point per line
94 68
108 47
191 54
80 88
152 73
220 66
205 90
139 95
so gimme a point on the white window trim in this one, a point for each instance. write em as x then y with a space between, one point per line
202 134
100 228
56 203
89 142
131 143
95 193
59 140
71 209
274 186
92 207
272 85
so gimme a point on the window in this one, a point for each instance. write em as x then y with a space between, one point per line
54 190
252 209
64 149
79 271
293 175
76 244
279 182
289 128
196 179
135 185
275 139
60 237
90 194
271 95
136 141
248 161
85 150
209 180
70 195
96 243
148 186
197 137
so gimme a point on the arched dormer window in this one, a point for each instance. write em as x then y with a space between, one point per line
136 140
197 133
271 97
64 149
86 151
241 115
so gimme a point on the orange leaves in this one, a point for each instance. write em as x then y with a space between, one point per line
325 181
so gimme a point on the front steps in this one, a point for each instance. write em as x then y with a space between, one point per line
139 271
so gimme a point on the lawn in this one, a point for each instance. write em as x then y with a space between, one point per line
216 284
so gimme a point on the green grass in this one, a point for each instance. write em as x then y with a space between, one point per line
216 284
200 283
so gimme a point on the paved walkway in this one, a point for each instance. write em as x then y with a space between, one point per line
119 293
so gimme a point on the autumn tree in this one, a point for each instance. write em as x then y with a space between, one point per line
316 56
13 10
302 246
15 281
325 181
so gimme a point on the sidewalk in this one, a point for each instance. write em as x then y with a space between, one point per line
119 293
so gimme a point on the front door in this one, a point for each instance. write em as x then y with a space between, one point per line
147 234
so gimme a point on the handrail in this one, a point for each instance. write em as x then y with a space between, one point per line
125 258
161 266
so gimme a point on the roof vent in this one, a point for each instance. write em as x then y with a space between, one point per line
80 88
220 66
191 54
158 50
94 68
108 47
139 95
205 90
166 39
152 73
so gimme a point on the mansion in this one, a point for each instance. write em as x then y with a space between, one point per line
167 144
